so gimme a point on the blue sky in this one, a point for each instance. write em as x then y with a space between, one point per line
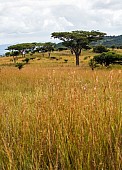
34 20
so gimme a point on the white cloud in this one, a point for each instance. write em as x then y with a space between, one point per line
35 20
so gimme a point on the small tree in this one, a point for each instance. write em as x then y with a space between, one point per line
19 65
48 47
77 40
113 47
92 64
24 47
14 54
100 49
7 54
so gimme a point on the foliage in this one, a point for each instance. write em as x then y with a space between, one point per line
19 65
7 54
108 58
22 46
60 47
48 47
86 57
113 47
92 64
26 60
100 49
77 40
32 47
14 53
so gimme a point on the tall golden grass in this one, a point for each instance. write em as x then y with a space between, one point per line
60 118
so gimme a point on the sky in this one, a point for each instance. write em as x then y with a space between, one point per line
35 20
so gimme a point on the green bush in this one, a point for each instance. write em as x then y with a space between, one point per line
92 64
105 59
7 54
19 65
26 60
86 57
100 49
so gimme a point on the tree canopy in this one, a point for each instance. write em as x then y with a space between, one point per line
22 46
107 58
48 47
77 40
100 49
33 47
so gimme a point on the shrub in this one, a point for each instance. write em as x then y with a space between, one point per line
92 64
100 49
65 60
113 47
26 60
7 54
19 65
86 57
108 58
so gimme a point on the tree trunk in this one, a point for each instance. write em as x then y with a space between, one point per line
77 59
49 54
14 59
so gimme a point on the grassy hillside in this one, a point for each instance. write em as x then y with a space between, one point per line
57 58
108 41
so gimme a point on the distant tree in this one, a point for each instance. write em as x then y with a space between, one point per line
14 54
77 40
100 49
24 47
113 47
48 47
62 48
7 54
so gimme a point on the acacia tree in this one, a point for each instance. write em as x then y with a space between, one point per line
22 47
49 46
77 40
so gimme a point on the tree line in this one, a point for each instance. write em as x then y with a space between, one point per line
75 41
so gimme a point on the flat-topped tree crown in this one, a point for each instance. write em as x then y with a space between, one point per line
77 40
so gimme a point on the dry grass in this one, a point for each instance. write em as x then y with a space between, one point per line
60 118
44 61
